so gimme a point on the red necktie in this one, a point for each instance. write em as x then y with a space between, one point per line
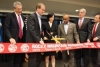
80 23
94 30
20 27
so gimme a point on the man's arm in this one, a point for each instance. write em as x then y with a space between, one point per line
7 26
76 36
32 28
6 29
89 30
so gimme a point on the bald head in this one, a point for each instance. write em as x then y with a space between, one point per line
65 15
65 18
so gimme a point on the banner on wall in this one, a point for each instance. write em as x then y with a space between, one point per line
35 47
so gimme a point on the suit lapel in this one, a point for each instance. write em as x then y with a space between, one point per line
69 26
63 30
15 18
48 25
84 21
37 20
23 20
98 28
52 25
77 23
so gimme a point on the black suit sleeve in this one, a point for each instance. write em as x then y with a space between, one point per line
56 28
7 26
32 28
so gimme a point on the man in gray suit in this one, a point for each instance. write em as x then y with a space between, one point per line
68 31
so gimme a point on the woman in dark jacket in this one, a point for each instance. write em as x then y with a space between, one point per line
50 29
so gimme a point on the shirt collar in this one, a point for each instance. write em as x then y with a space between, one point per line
81 18
38 15
17 15
97 23
50 22
66 23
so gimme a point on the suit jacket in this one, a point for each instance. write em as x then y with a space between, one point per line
33 30
85 30
94 52
11 27
97 34
47 29
71 36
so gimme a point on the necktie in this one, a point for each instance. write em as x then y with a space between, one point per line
94 30
20 27
80 23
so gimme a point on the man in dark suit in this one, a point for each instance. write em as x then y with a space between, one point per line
34 34
14 29
68 31
84 30
95 36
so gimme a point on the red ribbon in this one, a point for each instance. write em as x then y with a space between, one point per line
35 47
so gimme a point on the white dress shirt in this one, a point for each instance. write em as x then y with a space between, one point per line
50 24
80 20
39 19
96 27
66 27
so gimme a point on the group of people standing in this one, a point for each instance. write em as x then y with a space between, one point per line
82 30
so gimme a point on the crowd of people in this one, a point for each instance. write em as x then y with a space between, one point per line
82 30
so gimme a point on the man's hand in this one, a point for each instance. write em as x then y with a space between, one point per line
41 42
51 33
88 40
12 41
45 38
26 55
57 42
78 42
95 39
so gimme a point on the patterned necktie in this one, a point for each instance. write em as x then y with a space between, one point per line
94 30
20 27
80 23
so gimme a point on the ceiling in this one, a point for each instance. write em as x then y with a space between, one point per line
57 6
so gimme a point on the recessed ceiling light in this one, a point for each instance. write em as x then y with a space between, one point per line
76 10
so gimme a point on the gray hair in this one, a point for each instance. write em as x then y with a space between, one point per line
83 10
16 3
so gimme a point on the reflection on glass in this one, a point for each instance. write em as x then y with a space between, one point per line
0 31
